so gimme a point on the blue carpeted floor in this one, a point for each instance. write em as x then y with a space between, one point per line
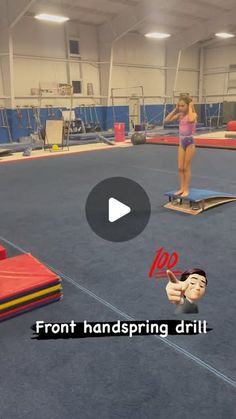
42 211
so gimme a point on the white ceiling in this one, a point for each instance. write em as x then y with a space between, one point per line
94 12
184 14
180 18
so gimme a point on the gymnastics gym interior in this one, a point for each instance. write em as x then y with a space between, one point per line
93 232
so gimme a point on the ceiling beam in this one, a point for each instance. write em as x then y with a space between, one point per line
21 9
125 2
203 31
132 17
68 7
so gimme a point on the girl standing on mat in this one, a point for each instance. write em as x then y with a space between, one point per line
185 113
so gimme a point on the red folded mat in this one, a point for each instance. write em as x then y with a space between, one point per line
31 306
22 275
30 298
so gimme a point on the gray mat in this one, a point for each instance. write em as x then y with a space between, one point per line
42 210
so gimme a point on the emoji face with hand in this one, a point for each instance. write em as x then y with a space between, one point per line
186 291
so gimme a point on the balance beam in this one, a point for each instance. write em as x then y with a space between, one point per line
197 201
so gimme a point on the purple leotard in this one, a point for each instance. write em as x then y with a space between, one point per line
186 131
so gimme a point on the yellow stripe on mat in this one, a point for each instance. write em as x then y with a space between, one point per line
29 297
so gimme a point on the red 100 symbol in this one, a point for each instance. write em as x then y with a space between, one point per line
163 259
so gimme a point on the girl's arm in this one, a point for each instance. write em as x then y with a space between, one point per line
192 115
173 116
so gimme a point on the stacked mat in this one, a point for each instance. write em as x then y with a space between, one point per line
26 284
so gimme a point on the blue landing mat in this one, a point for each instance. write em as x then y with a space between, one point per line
197 195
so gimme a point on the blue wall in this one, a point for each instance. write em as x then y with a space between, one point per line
153 113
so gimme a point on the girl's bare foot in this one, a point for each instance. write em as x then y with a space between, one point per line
180 192
185 193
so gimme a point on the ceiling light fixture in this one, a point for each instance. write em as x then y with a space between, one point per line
224 35
51 18
157 35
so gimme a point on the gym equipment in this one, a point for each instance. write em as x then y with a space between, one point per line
28 151
139 95
3 253
91 116
105 140
55 147
29 125
42 302
119 128
219 143
197 201
5 152
97 127
26 284
5 122
215 120
155 118
19 116
230 134
38 126
79 123
54 133
50 111
138 138
231 126
87 125
76 125
139 128
91 122
36 114
228 111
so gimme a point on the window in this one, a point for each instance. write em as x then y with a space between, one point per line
74 48
77 86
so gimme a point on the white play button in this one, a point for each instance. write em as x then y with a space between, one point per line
117 210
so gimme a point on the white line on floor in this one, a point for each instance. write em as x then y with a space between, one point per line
166 341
